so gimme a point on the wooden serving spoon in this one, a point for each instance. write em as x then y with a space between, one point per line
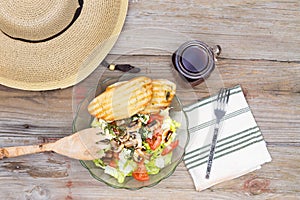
82 145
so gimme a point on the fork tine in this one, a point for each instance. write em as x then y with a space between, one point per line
220 94
227 95
220 98
224 95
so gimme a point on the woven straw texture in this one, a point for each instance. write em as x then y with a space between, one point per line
65 59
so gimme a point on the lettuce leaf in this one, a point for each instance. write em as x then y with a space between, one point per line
125 163
115 173
167 158
151 167
99 163
170 124
154 165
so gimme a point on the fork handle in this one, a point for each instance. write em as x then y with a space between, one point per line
212 151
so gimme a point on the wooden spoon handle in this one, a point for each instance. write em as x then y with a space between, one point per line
9 152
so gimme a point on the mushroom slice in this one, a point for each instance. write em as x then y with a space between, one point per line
136 157
125 137
131 143
141 152
116 146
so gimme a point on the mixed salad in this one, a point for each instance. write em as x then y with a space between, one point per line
138 146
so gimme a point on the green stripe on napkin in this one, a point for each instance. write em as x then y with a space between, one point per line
224 147
212 122
255 129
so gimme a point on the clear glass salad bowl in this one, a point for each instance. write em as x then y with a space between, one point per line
83 120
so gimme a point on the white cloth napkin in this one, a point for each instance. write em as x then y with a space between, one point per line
240 148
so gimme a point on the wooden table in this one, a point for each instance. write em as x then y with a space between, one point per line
260 42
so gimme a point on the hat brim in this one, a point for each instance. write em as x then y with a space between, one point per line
68 58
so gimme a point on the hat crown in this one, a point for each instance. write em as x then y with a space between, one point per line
36 19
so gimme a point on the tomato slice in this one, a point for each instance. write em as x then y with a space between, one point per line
155 142
170 147
155 117
140 173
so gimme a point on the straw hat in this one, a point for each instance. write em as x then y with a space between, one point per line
55 44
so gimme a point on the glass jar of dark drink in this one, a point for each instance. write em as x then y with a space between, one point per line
195 60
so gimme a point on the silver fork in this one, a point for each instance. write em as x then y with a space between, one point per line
220 110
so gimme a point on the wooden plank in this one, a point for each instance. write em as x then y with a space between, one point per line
25 112
273 97
245 29
57 177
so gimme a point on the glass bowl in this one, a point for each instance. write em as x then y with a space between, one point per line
83 120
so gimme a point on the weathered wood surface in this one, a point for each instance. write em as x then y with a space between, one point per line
260 42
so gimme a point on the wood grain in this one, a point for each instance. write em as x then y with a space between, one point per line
260 51
59 177
245 29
